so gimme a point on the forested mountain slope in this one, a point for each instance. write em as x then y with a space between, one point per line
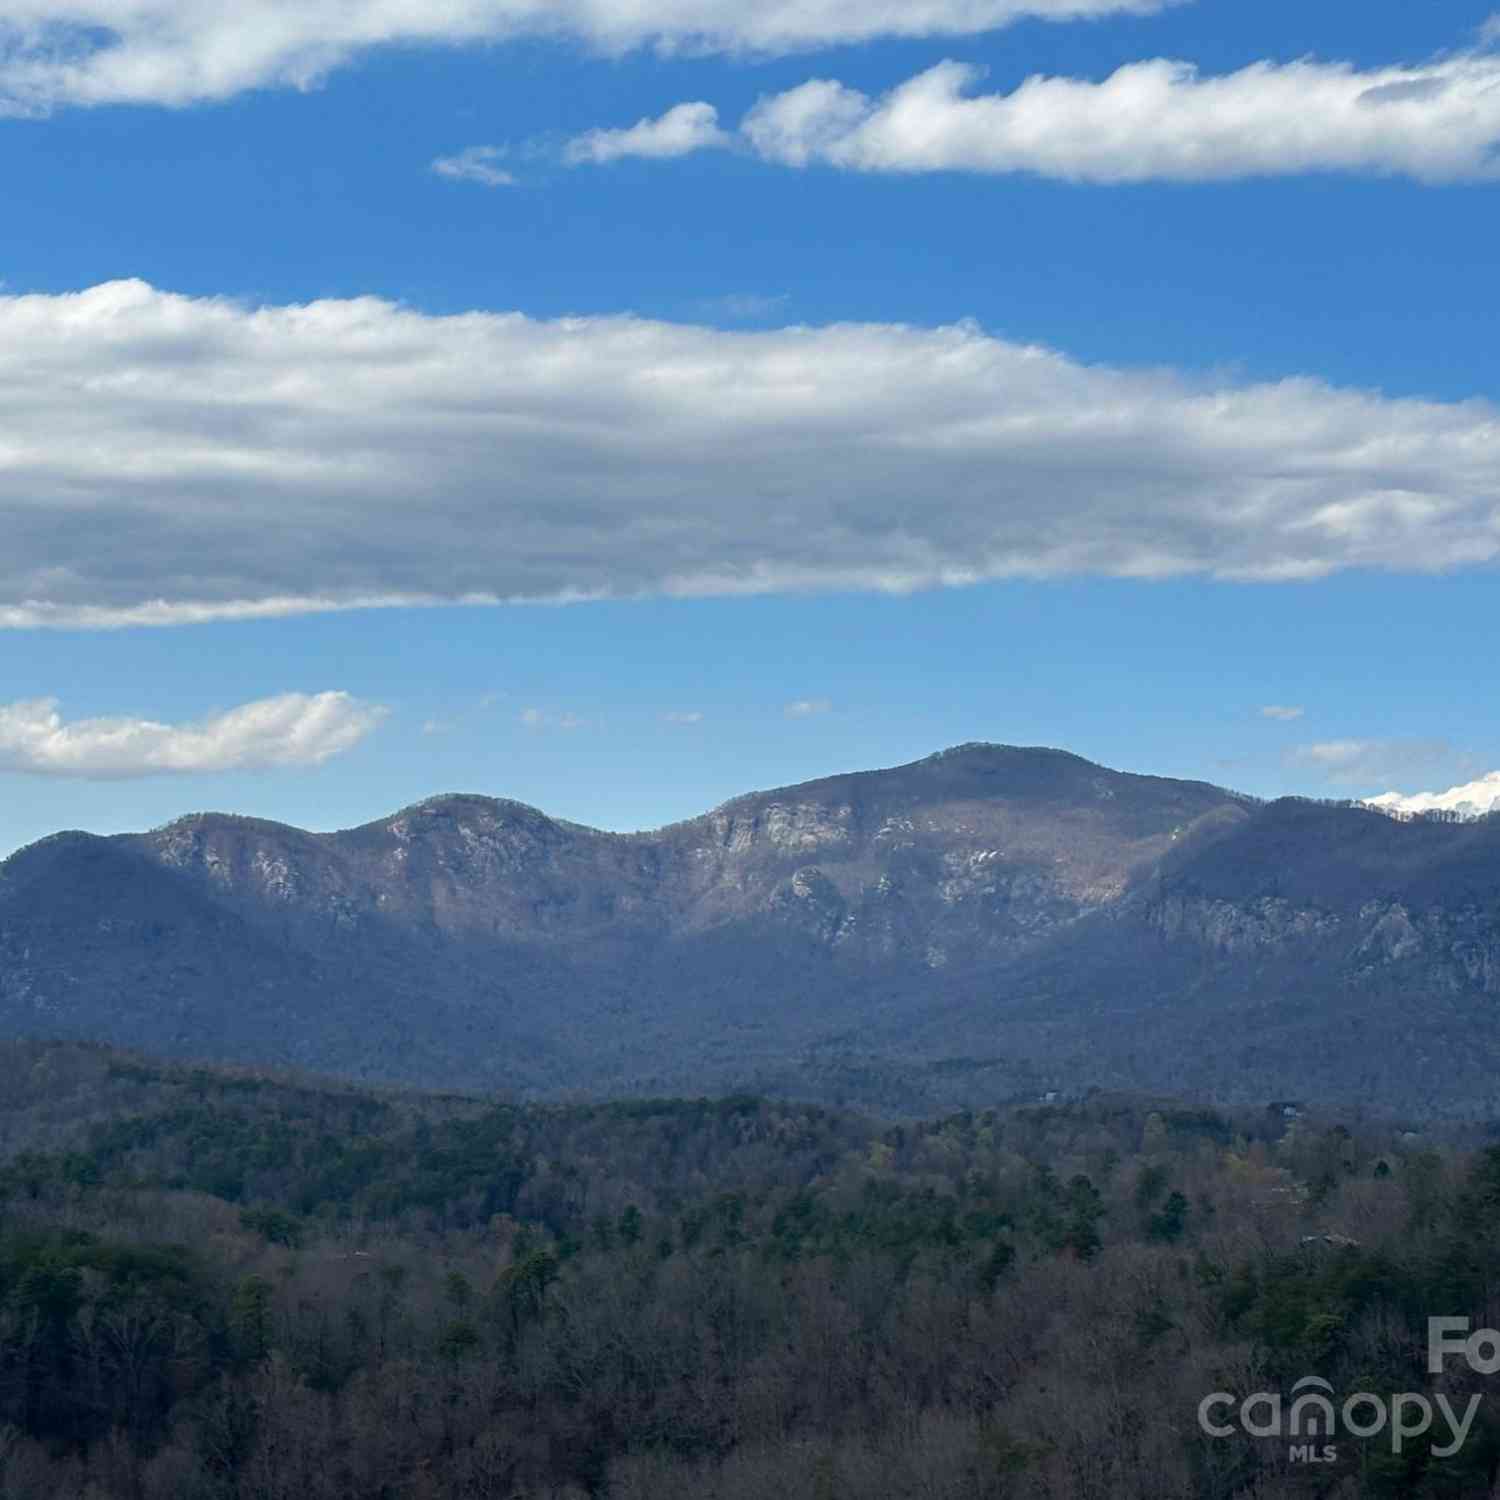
237 1286
988 922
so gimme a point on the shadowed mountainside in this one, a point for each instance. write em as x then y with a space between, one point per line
986 922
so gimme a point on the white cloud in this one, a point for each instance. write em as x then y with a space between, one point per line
1154 120
179 52
683 718
682 130
537 719
744 307
808 123
1363 761
294 729
1471 799
476 164
165 459
1335 754
807 708
1281 712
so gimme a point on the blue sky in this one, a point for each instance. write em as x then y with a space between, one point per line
1265 398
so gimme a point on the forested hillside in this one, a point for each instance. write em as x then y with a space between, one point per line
985 923
224 1286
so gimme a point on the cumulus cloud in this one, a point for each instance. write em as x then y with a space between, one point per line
1282 712
179 52
807 708
476 164
1153 120
295 729
166 459
1471 799
692 717
681 131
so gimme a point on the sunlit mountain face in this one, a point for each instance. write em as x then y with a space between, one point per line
1475 799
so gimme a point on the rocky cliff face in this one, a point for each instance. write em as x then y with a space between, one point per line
976 850
1454 950
1350 886
985 917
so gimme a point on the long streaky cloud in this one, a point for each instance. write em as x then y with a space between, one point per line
294 729
476 164
181 52
1351 761
1158 120
167 460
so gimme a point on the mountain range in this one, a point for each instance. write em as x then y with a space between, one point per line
984 924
